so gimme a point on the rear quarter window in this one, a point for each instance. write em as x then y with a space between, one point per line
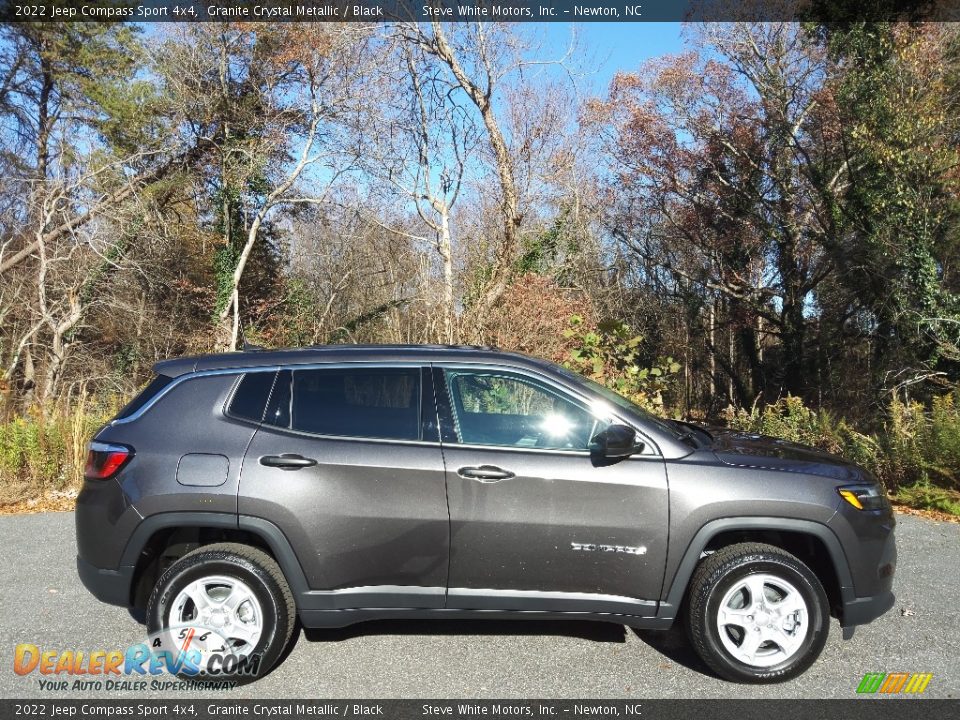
250 398
153 388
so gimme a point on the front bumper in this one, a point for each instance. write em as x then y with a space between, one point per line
109 586
870 548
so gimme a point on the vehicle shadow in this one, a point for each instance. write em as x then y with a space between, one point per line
583 629
674 645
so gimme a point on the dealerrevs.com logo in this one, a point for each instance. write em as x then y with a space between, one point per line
195 655
894 683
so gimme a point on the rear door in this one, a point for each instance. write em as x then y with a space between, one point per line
537 522
348 464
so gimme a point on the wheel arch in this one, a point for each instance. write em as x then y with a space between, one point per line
833 571
171 535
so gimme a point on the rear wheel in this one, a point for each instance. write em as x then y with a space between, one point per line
755 613
228 603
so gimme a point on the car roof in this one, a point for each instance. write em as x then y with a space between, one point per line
175 367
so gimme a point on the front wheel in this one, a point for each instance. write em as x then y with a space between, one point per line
755 613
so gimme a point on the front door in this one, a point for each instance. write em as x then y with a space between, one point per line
348 465
536 521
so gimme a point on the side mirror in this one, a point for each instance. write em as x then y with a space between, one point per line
616 442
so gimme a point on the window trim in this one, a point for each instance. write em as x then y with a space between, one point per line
186 377
650 449
439 387
125 411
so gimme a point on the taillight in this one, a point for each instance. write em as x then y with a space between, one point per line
105 460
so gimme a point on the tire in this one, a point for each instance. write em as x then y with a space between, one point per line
771 643
246 603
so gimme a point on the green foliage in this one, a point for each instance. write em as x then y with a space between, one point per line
545 253
790 419
916 454
899 213
224 263
923 444
39 454
929 497
126 359
610 354
92 72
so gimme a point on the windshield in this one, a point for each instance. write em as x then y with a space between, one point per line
621 402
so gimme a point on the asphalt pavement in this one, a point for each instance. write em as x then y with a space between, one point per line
42 602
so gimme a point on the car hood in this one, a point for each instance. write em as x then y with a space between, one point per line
741 449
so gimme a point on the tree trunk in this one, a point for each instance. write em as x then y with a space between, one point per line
445 248
713 355
509 196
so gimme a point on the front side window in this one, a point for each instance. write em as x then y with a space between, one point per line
355 402
503 409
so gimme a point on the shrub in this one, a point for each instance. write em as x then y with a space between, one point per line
916 454
532 316
923 445
790 419
42 453
610 354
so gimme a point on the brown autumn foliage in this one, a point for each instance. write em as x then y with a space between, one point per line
533 314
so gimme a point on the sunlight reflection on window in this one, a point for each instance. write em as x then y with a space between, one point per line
556 425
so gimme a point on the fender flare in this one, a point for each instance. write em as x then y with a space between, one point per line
271 534
678 586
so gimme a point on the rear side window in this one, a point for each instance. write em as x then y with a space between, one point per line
153 389
356 402
250 398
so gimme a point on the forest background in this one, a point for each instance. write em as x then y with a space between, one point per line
760 230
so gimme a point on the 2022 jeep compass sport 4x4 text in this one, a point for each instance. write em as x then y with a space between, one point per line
339 484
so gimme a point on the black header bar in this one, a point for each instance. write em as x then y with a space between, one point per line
475 10
222 707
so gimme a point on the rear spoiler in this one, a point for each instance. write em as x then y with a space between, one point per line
175 367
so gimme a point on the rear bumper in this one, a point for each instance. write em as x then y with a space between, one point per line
109 586
860 611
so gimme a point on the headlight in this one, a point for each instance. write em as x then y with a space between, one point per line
864 497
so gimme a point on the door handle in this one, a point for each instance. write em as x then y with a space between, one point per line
485 473
287 461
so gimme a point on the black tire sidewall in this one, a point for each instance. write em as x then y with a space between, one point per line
190 569
817 619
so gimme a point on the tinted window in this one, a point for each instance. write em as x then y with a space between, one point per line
358 402
509 410
250 398
152 389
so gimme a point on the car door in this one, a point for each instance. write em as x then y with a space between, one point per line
537 522
347 463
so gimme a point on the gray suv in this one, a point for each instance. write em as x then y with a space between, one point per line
240 493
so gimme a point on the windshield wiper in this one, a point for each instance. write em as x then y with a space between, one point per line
689 431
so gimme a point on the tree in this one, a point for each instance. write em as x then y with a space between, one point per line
418 140
895 239
717 187
262 97
478 57
87 146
